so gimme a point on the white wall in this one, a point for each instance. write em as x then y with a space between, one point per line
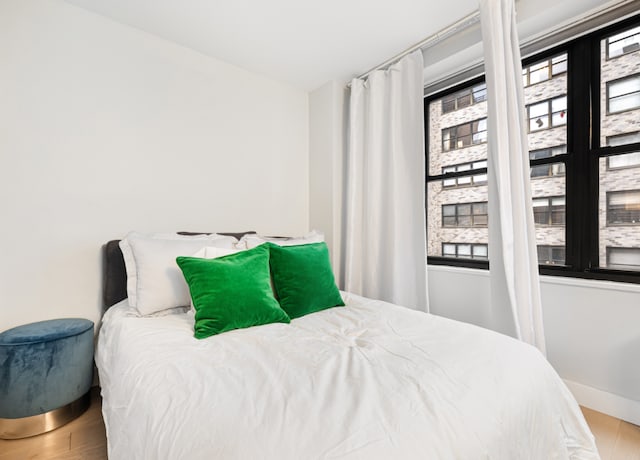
591 329
326 165
105 129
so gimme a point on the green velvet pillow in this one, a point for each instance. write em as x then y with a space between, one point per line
303 279
231 292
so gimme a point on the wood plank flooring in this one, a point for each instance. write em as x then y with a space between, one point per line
84 438
616 439
81 439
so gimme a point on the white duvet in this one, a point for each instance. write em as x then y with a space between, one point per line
367 381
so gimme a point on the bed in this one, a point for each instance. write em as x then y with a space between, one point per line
370 380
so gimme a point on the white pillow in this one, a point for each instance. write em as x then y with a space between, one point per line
154 280
251 241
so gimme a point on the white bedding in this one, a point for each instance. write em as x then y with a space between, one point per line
367 381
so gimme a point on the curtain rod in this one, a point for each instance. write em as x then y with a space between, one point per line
431 40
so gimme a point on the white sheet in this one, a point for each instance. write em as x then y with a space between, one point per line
367 381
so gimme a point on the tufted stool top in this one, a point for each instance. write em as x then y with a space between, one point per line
45 331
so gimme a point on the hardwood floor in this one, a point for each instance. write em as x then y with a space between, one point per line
616 439
84 438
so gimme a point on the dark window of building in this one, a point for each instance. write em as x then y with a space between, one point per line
623 94
464 98
623 207
551 255
623 258
476 179
464 135
623 43
547 114
464 215
549 210
465 250
544 70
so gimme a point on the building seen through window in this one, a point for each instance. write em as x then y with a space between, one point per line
456 133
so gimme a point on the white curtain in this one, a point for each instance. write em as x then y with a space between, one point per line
515 285
385 230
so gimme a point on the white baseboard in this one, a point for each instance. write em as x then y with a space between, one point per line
607 403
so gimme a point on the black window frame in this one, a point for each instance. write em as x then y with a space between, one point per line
581 160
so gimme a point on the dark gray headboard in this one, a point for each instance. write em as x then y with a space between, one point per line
115 274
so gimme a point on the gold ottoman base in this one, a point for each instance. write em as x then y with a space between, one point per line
16 428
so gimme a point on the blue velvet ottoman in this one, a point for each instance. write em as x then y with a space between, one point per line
46 371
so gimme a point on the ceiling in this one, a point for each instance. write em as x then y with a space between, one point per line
303 43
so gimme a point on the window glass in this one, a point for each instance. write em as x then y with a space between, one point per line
623 43
551 255
623 207
623 258
624 94
627 160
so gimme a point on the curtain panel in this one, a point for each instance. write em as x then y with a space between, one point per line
515 285
385 236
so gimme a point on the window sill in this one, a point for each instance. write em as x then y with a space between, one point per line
563 278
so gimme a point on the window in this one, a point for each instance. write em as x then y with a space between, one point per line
623 43
551 255
464 135
476 179
585 168
549 210
623 94
545 70
623 208
623 258
465 250
464 215
549 169
548 152
464 98
547 114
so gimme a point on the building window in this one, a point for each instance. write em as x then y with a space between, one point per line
464 98
623 258
547 114
623 94
464 215
627 160
476 179
544 70
465 250
549 169
623 208
551 255
585 167
464 135
623 43
549 210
